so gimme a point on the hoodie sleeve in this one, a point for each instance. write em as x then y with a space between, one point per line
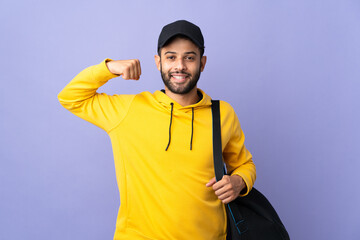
80 98
237 158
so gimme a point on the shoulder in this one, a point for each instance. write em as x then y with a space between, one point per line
226 108
228 114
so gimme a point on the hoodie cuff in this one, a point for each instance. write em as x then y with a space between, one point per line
245 191
102 72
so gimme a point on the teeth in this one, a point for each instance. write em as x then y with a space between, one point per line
179 77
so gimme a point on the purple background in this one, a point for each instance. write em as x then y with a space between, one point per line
291 70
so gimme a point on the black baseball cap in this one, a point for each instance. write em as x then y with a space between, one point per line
181 27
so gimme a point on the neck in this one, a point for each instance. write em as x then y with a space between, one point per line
189 98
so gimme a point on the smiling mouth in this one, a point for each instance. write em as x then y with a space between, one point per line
179 77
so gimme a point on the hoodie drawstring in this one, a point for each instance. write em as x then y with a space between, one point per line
192 128
171 114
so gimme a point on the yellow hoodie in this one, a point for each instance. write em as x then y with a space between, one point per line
162 192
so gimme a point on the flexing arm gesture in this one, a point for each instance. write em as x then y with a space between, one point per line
128 69
81 98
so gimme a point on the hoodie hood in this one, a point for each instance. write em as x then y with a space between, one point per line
166 101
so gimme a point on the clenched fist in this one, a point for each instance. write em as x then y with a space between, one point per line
128 69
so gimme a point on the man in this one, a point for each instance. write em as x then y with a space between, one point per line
162 142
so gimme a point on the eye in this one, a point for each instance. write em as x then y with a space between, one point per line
191 58
170 57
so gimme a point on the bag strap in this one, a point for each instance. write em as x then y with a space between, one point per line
217 145
237 219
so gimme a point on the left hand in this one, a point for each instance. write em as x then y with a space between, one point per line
228 188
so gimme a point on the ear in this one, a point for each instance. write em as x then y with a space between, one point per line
202 62
157 61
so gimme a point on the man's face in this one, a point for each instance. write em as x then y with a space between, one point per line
180 65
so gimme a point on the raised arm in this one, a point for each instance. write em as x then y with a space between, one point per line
81 98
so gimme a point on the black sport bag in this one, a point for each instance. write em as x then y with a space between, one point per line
251 217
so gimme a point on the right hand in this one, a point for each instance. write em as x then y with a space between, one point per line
128 69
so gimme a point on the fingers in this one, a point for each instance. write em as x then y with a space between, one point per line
229 199
225 190
220 184
211 182
131 69
225 193
126 73
135 69
226 196
138 69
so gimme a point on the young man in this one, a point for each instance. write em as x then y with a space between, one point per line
162 143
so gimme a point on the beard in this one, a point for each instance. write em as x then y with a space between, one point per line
183 88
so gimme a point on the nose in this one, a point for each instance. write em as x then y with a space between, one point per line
180 65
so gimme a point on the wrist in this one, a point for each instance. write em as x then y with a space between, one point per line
241 183
109 64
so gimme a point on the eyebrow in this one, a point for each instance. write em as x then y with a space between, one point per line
169 52
192 52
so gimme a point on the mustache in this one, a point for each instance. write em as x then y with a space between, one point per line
181 72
